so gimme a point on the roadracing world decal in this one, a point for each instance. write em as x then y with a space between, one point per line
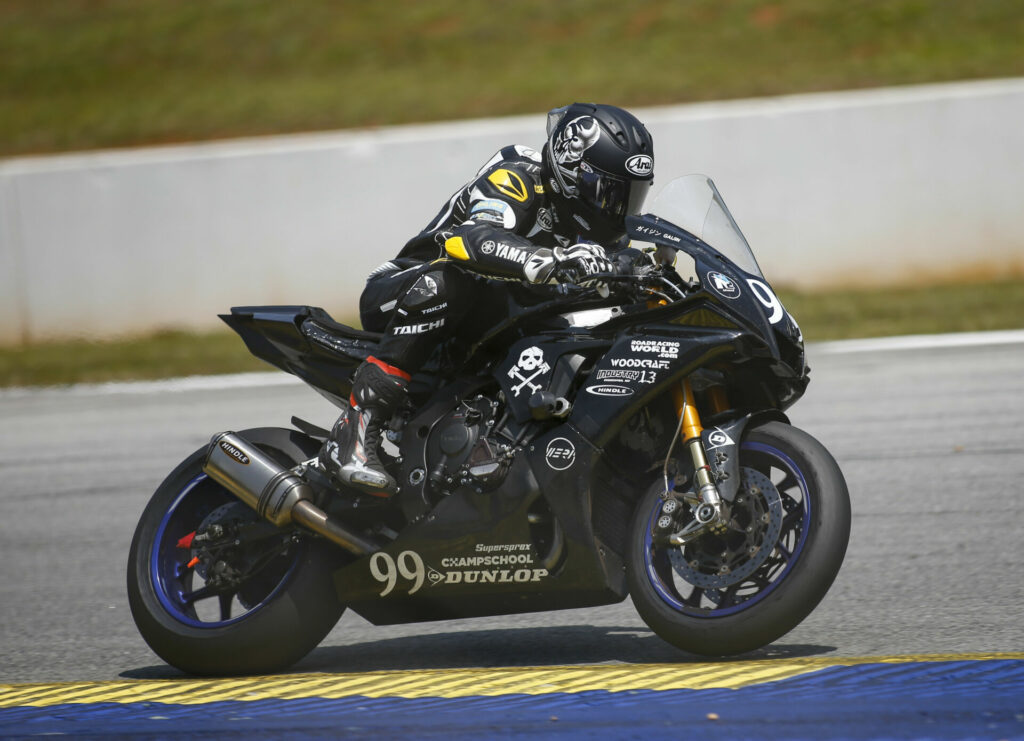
510 563
662 348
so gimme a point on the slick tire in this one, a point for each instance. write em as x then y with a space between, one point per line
779 609
282 629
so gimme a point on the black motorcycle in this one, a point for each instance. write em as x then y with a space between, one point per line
613 440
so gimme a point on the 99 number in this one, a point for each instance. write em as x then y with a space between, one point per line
386 570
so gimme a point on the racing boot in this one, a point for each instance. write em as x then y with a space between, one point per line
350 454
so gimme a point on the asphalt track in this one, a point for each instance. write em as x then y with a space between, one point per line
921 636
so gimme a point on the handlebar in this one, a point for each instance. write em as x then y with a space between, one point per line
571 294
651 280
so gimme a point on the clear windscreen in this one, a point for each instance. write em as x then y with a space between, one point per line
693 203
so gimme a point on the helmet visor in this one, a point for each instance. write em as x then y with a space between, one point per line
613 196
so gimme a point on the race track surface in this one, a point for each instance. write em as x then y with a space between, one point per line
928 437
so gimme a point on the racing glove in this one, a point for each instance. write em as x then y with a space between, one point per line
581 261
568 265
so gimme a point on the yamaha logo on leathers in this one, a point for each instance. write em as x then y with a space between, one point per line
510 253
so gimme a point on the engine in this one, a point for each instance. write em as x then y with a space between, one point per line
465 449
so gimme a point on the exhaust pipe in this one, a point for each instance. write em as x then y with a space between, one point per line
278 494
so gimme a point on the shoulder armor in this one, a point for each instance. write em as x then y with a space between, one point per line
510 183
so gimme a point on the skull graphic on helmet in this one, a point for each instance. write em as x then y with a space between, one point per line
577 137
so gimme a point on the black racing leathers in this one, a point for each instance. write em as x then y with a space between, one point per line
492 238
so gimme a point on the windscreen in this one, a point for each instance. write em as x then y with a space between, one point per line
693 203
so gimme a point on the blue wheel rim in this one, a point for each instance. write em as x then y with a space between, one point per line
670 596
167 562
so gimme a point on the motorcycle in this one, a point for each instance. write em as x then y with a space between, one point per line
628 438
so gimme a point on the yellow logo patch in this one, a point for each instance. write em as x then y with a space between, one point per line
510 184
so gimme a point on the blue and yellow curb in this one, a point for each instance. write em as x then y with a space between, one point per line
454 683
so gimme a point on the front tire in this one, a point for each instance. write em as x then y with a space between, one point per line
733 592
265 623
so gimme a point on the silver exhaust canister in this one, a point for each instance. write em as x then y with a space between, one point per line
278 494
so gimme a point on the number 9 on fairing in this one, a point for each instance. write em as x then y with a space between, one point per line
766 296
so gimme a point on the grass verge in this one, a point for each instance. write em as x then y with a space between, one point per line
822 316
82 74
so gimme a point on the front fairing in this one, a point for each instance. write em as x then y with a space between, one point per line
690 215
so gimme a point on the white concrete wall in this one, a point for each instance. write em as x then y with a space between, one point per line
865 186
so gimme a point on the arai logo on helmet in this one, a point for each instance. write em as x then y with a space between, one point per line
640 164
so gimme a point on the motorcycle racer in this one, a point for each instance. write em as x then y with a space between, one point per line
526 220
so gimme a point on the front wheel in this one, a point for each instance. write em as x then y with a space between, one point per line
743 587
214 589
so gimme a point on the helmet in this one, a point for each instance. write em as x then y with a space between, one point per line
599 165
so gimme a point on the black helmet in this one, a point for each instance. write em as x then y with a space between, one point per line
599 163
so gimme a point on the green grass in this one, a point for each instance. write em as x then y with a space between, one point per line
836 315
163 355
846 314
80 74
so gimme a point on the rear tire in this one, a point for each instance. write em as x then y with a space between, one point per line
688 602
287 608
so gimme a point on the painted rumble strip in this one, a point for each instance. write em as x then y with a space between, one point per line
452 683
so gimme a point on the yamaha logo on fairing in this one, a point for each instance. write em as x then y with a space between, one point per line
234 452
609 389
560 454
640 164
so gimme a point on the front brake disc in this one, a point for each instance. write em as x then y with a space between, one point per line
716 562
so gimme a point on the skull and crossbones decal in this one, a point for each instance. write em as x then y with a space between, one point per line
531 365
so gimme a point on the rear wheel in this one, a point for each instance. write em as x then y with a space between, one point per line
216 590
737 590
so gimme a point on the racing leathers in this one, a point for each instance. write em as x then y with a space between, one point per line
497 235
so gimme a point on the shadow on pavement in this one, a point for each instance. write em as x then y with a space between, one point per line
507 647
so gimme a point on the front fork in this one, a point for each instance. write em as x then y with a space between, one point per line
707 505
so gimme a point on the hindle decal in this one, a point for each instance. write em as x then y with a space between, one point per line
236 454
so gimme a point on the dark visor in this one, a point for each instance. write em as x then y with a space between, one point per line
612 195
